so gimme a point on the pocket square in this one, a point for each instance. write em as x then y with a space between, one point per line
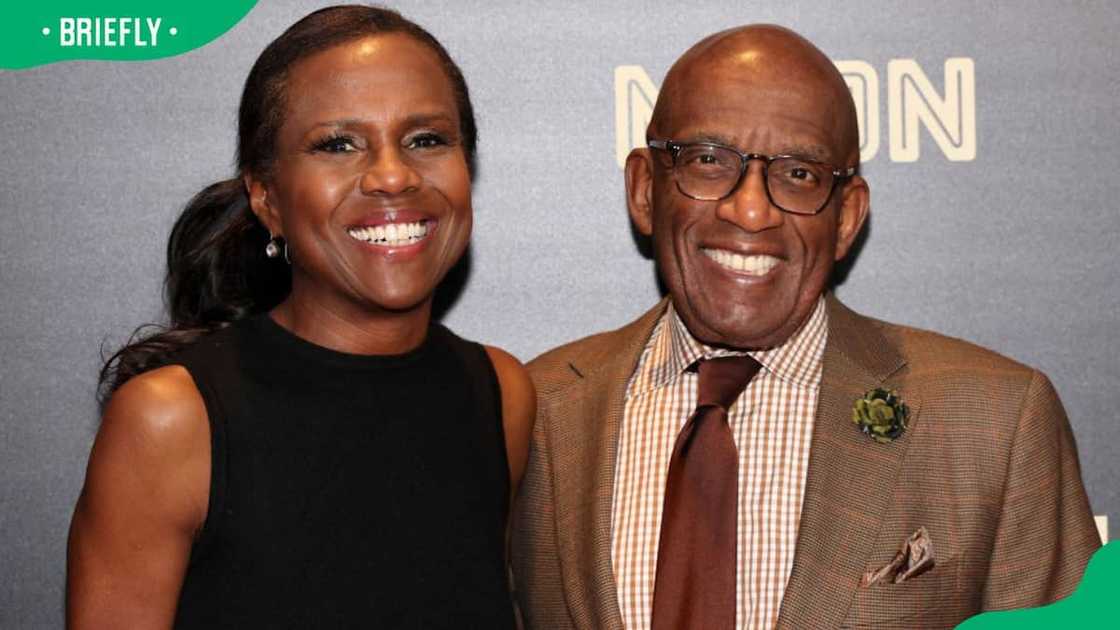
913 559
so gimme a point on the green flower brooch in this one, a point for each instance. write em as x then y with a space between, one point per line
881 414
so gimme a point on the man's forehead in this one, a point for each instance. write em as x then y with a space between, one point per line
761 85
795 122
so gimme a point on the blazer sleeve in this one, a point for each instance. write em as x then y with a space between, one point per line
537 586
1046 532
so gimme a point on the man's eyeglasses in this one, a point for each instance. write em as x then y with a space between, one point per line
709 172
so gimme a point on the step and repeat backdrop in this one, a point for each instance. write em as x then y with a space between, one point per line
988 135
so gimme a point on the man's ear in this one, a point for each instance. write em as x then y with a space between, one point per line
257 190
639 189
855 205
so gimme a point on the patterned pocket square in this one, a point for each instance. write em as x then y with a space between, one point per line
913 559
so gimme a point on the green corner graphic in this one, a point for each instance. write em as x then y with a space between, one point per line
1093 605
38 33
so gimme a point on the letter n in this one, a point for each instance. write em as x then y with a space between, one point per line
951 121
634 96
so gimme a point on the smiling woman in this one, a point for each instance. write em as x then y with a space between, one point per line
303 446
351 162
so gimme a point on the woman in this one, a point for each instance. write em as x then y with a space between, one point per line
304 447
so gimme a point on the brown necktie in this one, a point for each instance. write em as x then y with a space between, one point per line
695 587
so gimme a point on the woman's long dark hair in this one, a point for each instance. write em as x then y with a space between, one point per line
217 272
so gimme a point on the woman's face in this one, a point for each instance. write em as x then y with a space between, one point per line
370 184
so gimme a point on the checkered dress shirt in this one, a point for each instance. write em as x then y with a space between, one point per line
772 423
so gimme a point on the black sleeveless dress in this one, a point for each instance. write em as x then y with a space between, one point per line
348 491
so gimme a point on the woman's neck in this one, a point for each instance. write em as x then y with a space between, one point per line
354 331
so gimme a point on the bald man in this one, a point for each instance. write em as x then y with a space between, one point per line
750 453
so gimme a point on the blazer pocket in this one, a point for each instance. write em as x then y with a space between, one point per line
928 600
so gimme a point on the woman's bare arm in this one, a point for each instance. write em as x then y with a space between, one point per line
519 410
144 500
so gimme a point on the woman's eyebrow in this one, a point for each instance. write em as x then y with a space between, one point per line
427 118
339 122
411 119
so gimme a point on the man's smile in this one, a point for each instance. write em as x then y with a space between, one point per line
751 265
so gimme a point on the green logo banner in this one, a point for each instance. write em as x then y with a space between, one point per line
44 32
1092 605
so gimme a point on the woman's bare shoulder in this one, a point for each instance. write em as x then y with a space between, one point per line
159 410
154 438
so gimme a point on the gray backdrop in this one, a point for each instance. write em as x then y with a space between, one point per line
1008 243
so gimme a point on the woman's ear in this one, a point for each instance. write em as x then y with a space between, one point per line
257 190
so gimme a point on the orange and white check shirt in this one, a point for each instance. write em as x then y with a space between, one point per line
772 424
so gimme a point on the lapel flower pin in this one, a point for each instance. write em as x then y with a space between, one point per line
881 414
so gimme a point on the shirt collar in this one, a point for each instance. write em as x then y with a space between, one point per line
797 360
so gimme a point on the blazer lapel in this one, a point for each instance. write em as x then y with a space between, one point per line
850 478
583 445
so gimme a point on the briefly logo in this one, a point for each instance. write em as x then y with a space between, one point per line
109 31
33 34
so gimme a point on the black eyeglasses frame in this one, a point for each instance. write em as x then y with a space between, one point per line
674 149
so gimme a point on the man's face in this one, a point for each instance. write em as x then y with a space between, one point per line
742 273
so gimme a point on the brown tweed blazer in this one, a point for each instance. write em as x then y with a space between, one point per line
988 466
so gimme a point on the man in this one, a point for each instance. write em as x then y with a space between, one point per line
661 494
